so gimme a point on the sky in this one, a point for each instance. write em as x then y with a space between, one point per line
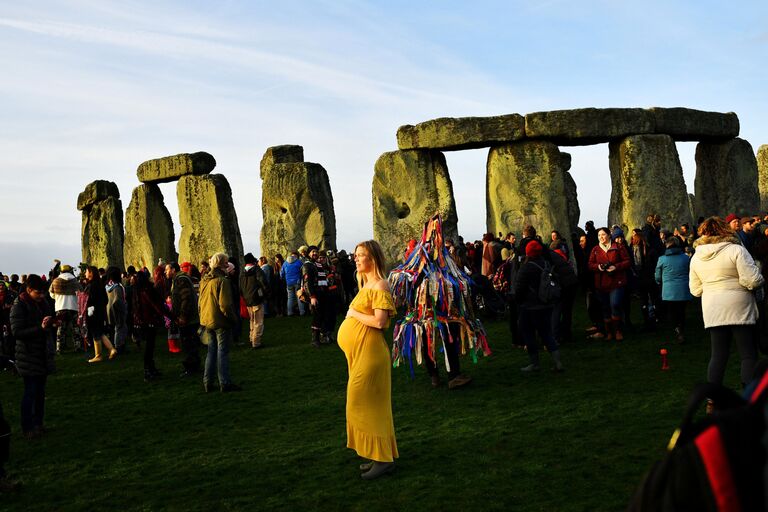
93 88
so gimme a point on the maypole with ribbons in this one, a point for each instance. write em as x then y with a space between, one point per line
435 292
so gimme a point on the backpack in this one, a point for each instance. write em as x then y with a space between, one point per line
500 278
549 289
716 463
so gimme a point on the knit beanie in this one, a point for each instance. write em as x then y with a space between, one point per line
533 249
617 233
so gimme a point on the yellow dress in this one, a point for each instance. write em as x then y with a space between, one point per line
370 428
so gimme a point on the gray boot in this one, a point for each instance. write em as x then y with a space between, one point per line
556 359
534 366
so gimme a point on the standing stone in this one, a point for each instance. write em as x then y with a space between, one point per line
171 168
726 178
102 225
762 177
692 208
286 154
571 197
296 203
646 177
525 184
409 187
149 232
208 219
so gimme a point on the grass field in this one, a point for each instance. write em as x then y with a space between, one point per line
574 441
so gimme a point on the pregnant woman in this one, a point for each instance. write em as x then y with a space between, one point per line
370 428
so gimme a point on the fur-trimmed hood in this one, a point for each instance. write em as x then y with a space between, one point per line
708 247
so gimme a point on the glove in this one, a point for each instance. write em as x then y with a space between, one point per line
91 309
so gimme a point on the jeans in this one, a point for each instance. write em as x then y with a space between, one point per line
190 344
291 289
148 335
120 337
612 302
33 403
65 334
218 355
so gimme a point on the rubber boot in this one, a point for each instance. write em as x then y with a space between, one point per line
315 338
534 366
618 335
556 359
608 329
108 345
97 349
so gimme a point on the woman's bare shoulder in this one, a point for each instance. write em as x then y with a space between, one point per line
381 284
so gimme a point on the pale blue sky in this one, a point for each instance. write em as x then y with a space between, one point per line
91 89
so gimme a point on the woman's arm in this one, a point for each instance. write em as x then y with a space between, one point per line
749 273
377 320
694 283
380 317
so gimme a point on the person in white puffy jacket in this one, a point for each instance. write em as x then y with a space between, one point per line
724 275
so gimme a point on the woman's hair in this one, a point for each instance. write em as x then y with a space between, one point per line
113 274
672 241
607 231
95 277
715 226
373 249
142 280
218 260
638 234
263 260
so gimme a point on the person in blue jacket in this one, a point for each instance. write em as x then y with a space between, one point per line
672 275
290 272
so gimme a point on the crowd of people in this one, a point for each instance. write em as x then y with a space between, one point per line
723 261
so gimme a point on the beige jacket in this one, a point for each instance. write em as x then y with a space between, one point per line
723 275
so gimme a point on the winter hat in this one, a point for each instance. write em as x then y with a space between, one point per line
617 233
730 217
249 258
185 266
66 268
533 249
303 249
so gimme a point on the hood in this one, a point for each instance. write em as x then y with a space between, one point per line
708 247
672 251
214 273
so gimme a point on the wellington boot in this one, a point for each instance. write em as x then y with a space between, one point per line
617 334
97 356
315 338
608 329
556 359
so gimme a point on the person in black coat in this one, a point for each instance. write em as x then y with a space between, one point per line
32 323
535 315
255 291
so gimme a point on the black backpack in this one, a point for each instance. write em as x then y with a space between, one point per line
549 289
716 463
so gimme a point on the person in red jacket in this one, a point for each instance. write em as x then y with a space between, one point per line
609 262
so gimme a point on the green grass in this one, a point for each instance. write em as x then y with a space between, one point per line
574 441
